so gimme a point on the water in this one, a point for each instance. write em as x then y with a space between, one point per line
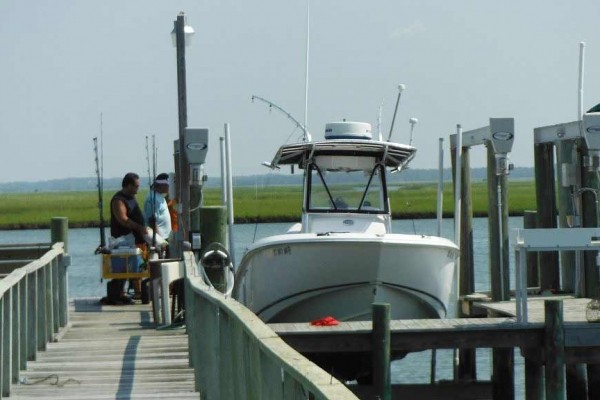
84 281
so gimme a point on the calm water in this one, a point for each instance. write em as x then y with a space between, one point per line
84 281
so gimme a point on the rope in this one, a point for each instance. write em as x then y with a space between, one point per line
56 383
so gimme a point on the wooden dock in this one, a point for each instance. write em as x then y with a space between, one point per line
110 352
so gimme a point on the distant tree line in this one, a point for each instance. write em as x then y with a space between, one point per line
278 178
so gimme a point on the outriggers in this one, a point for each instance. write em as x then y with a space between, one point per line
343 256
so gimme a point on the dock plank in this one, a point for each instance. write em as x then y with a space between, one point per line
110 352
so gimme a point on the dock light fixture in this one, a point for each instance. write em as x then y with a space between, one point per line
188 32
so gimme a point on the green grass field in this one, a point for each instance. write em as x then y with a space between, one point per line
283 203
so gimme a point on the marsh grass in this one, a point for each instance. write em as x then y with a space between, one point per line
266 204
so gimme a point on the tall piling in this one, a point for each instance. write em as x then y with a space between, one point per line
566 180
467 367
498 229
213 229
546 211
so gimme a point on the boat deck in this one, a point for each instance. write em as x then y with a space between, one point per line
110 352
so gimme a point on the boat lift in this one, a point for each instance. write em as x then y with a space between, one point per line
561 239
498 136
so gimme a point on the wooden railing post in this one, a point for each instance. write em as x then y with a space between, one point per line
32 316
23 323
59 232
6 343
16 339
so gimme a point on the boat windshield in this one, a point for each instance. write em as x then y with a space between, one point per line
347 191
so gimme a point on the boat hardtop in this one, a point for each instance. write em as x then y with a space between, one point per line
341 140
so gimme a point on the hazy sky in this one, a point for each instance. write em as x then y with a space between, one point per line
63 63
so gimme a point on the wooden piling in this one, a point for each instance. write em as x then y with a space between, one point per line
503 373
59 229
498 230
534 379
546 211
593 381
576 381
554 336
213 229
533 279
381 351
467 366
566 164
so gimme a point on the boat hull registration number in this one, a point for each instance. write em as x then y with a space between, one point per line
282 251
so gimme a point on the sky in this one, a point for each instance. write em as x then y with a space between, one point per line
64 63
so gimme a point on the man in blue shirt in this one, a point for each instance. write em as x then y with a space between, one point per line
156 210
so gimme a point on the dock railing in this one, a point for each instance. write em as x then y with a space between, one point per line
235 355
33 305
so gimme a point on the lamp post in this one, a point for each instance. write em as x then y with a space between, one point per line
181 36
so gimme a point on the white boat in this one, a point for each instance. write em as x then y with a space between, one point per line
343 256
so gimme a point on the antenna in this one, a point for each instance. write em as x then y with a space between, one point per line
306 136
101 153
379 121
413 122
581 61
401 88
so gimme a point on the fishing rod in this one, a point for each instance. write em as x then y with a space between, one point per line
307 136
148 164
154 192
102 247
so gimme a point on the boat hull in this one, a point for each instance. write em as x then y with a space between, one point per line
303 277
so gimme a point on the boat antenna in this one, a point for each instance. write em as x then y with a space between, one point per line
401 88
379 117
290 116
306 136
100 178
413 122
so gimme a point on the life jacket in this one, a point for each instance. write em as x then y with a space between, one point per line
172 204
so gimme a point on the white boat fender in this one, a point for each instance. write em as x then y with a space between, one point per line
217 257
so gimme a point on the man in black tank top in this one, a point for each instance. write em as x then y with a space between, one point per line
125 217
125 214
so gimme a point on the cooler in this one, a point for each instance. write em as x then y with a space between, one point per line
124 263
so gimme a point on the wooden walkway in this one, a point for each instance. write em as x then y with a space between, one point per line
110 352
